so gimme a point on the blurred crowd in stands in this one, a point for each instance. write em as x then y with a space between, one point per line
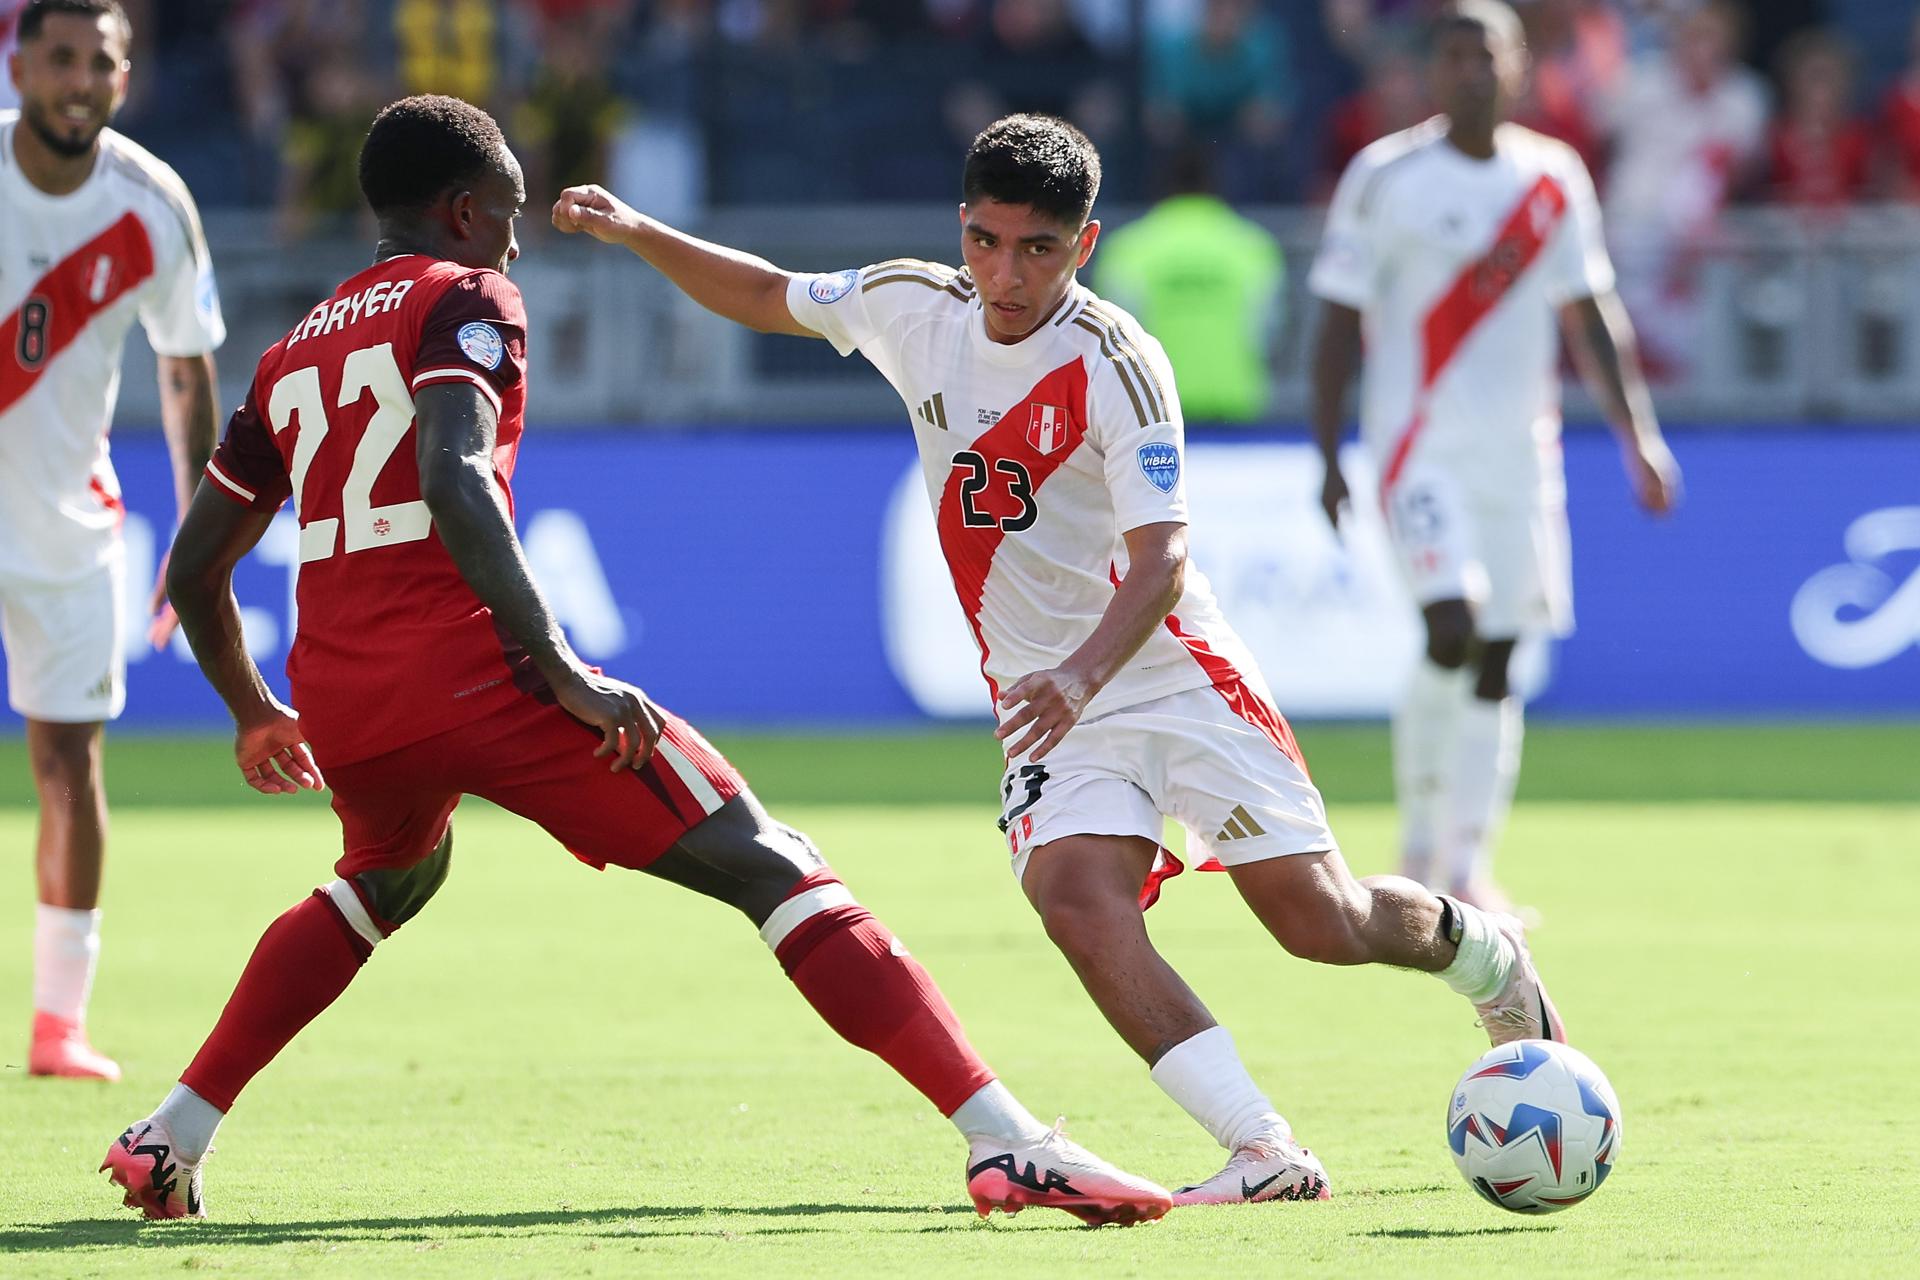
1680 106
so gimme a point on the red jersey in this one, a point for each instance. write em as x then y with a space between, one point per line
391 646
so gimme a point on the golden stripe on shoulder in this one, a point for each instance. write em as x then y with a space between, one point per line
931 275
137 165
1120 343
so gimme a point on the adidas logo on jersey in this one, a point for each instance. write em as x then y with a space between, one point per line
1240 825
933 412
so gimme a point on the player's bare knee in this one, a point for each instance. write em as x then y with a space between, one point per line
397 896
1082 922
1449 633
65 756
1491 682
741 856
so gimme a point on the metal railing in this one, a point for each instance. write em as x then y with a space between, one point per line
1790 320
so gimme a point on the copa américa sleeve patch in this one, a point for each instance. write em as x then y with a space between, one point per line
481 343
832 288
1160 464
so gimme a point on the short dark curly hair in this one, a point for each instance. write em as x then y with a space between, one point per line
34 16
1034 160
421 147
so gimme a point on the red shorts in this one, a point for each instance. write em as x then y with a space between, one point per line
535 760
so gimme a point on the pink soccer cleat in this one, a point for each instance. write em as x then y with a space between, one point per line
1522 1010
60 1048
158 1184
1271 1167
1055 1173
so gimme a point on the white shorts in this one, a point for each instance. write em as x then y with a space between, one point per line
64 661
1222 764
1511 561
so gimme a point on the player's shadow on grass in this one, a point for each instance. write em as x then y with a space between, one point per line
82 1233
1451 1233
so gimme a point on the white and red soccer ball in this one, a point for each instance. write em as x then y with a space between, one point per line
1534 1126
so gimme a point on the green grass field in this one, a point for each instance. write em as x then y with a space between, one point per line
554 1072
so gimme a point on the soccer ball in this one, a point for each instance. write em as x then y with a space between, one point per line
1534 1126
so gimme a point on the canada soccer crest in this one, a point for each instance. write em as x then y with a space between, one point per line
1047 428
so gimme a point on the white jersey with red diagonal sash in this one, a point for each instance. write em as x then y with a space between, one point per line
1458 267
1038 456
75 272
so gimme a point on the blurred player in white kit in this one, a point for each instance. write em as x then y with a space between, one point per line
1454 249
98 232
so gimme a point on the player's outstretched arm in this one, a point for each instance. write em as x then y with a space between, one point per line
1601 339
745 289
268 745
457 426
1050 702
1336 358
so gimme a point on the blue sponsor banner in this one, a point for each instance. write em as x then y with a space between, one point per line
740 577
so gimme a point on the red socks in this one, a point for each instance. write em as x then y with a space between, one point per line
858 977
303 962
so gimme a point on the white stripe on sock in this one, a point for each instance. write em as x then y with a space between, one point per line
790 914
355 912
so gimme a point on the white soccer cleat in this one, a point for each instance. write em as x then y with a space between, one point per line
1522 1010
1270 1167
1056 1173
158 1183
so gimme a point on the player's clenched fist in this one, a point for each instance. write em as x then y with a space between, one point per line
1053 702
596 211
630 725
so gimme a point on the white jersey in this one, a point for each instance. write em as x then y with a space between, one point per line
1038 457
75 270
1457 267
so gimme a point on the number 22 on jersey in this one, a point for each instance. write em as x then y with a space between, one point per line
368 371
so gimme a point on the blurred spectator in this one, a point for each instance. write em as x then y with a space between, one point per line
9 23
1821 152
1357 27
1224 81
1029 56
1393 98
1688 128
565 123
274 45
1579 50
320 156
1900 124
447 46
1206 282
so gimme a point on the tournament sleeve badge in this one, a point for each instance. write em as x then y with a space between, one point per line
482 343
827 289
1160 464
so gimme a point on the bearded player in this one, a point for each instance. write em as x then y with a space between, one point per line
1454 247
97 233
1050 439
427 665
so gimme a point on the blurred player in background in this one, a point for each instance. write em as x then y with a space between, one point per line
1052 444
97 233
428 665
1453 248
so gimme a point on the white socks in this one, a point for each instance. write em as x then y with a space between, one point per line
1203 1074
1486 764
66 948
1485 960
994 1112
191 1119
1456 758
1423 738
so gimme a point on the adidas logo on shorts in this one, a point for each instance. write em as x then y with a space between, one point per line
1240 825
